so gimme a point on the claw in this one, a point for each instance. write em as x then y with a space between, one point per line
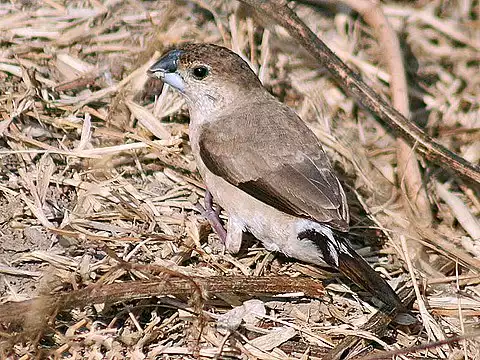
213 216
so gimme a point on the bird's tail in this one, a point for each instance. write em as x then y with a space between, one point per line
338 253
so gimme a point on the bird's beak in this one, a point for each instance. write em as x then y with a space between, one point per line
166 68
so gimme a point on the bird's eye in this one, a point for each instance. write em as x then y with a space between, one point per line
200 72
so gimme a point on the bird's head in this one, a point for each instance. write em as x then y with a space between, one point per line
209 76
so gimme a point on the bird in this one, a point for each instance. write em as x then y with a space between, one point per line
263 165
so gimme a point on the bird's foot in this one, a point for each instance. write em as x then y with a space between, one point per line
212 216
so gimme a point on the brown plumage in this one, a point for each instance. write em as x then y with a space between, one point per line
294 176
231 69
263 165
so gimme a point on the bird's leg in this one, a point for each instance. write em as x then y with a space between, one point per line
213 216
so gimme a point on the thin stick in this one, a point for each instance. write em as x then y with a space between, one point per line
409 176
19 312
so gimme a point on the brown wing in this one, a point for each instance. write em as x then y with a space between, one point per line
270 154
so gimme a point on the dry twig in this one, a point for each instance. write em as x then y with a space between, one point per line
350 81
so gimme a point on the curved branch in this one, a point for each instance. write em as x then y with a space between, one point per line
409 175
350 81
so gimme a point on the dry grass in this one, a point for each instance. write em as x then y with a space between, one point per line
98 184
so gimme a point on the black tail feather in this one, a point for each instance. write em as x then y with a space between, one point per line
340 255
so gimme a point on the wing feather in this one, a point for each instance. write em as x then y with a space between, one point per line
275 158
